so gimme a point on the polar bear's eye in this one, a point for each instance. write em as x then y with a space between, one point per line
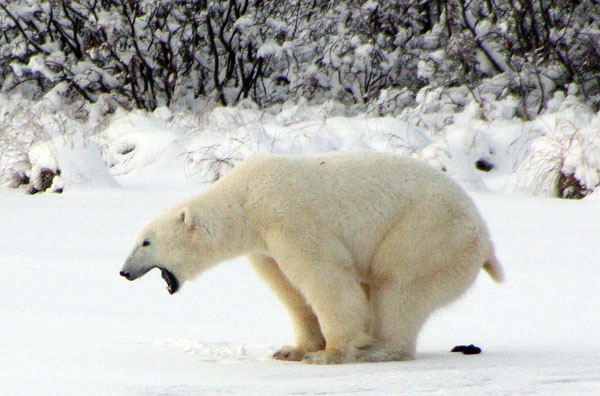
146 242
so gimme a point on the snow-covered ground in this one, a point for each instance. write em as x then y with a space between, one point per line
72 325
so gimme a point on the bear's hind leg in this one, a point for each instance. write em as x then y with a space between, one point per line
306 326
402 308
398 318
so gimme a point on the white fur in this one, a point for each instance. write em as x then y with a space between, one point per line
360 248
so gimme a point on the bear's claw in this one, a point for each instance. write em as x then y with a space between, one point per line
290 353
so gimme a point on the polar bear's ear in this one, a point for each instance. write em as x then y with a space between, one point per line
185 216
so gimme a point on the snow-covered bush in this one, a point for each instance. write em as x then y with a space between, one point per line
151 53
47 148
563 158
22 126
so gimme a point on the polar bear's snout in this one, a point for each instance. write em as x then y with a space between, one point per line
172 281
131 274
126 275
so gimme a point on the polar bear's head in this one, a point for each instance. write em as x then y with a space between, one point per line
177 243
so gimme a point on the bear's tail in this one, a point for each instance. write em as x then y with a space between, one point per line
494 269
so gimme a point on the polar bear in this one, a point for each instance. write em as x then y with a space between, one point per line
359 247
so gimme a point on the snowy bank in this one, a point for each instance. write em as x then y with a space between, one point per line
483 148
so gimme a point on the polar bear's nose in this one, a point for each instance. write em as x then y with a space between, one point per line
125 274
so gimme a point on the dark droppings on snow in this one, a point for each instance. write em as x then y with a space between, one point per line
467 349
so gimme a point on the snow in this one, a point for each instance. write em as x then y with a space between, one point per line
270 48
72 325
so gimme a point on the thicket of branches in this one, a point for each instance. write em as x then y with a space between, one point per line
150 53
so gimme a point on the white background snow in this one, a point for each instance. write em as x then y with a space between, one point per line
71 325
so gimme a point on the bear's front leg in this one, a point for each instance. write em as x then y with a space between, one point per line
306 326
333 291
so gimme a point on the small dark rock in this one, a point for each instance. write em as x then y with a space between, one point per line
19 179
570 188
484 165
467 349
42 180
45 178
19 173
31 190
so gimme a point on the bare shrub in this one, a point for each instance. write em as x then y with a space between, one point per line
26 148
150 53
565 164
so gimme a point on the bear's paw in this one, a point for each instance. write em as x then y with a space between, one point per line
328 356
290 353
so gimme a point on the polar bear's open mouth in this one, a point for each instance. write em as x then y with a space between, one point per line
172 282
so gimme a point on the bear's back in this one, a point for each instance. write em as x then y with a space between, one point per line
371 188
343 174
